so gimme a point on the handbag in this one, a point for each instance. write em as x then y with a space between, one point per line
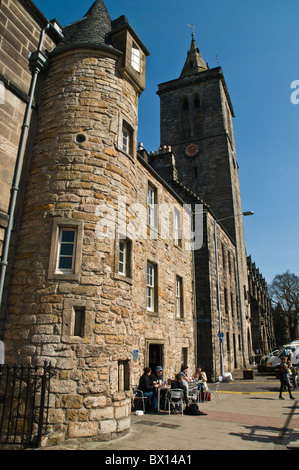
205 396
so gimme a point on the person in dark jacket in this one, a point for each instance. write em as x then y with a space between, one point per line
178 383
284 378
149 388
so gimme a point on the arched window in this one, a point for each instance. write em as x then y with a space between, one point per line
185 104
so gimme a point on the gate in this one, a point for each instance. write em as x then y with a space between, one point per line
24 404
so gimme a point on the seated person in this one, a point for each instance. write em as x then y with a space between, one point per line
158 375
148 388
158 378
178 383
184 371
201 375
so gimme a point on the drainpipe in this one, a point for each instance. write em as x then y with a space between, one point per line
38 61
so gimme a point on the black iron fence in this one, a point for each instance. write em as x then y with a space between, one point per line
24 404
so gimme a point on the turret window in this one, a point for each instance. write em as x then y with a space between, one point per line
127 138
67 239
136 58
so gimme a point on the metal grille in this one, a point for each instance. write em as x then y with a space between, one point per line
24 404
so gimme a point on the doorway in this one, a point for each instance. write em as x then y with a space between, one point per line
155 355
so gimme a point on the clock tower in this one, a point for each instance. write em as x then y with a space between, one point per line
196 121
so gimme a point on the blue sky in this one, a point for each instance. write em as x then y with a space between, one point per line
257 44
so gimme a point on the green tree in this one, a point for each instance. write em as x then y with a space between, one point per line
284 291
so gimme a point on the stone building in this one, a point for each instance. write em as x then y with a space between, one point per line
263 338
108 261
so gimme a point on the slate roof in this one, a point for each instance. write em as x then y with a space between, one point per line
93 29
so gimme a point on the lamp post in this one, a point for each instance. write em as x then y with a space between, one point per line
220 334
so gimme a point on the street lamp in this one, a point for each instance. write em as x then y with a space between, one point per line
220 334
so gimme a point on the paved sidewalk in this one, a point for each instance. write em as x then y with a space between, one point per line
243 420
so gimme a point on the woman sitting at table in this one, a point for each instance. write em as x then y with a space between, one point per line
202 377
178 383
184 371
149 388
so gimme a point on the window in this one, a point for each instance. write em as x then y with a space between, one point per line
179 297
126 140
66 251
150 283
223 258
184 357
177 227
122 260
79 321
124 255
225 301
152 218
185 104
227 342
136 58
151 287
123 376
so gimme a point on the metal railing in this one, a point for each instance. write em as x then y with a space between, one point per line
24 404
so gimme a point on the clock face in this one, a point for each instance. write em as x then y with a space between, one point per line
192 150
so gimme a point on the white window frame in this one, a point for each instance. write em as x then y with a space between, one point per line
150 287
179 297
136 58
151 206
61 243
177 227
122 257
125 139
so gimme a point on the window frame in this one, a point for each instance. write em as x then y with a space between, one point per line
151 288
179 298
60 225
136 58
152 207
61 244
177 227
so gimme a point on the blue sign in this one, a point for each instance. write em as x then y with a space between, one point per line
135 354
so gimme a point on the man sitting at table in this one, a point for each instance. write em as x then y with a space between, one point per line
158 375
158 378
149 388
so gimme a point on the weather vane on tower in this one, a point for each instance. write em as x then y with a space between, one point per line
193 28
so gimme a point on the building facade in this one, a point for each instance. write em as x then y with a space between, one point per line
263 338
114 258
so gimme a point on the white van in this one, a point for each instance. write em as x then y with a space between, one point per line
274 361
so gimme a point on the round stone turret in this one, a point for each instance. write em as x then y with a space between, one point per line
76 311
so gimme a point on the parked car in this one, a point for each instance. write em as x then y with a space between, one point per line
265 358
292 349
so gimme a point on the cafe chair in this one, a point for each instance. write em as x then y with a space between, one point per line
214 390
175 398
193 393
138 397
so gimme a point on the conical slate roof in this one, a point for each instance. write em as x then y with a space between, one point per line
194 62
93 29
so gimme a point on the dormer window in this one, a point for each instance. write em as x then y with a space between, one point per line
136 58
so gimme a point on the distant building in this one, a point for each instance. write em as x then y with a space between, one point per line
99 275
263 337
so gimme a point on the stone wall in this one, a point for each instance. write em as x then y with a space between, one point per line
78 170
21 26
